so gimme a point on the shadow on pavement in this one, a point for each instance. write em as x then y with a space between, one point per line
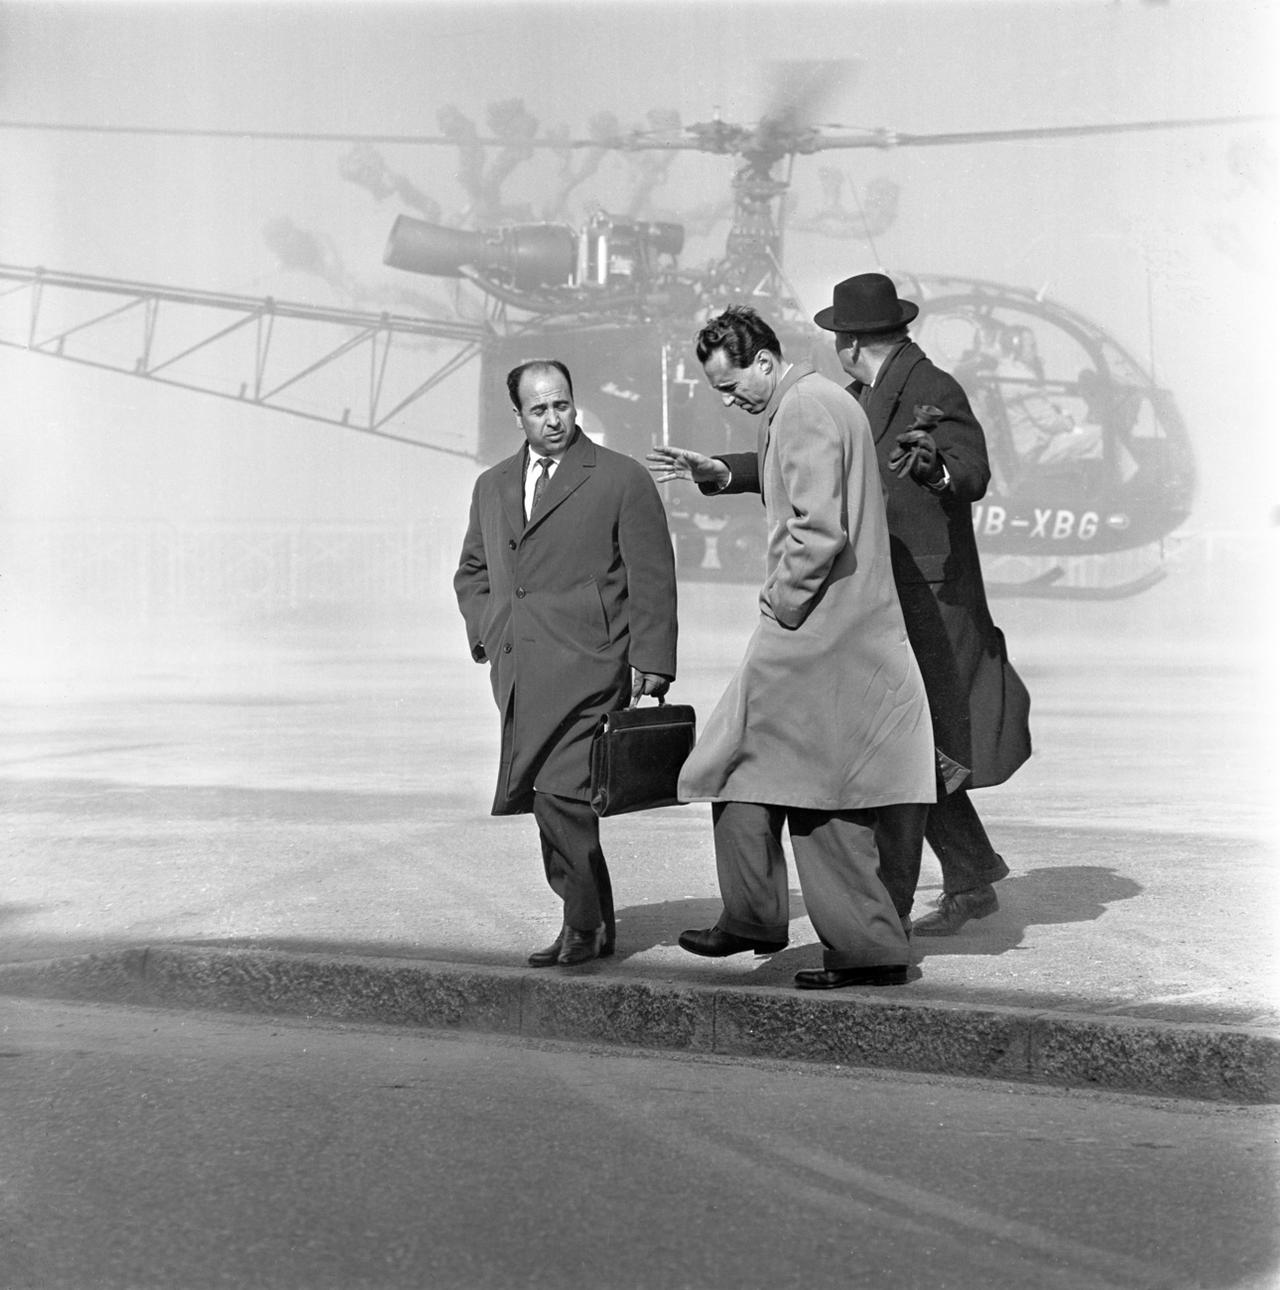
1038 897
1073 894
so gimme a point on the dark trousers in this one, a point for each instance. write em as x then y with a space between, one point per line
900 834
838 866
964 851
574 862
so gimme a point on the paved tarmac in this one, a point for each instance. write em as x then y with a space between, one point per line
291 814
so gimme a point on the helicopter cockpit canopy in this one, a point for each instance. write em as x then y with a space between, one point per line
1066 409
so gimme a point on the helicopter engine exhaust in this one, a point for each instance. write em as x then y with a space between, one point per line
609 253
525 256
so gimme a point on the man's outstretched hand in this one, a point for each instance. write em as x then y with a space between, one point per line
667 464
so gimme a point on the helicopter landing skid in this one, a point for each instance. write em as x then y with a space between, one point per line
1046 585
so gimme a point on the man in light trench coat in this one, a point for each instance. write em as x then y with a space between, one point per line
933 463
567 586
826 718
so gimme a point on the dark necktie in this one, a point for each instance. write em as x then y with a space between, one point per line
540 484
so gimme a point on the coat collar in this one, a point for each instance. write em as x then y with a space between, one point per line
796 372
881 401
579 458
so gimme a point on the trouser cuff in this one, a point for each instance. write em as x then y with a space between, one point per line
839 960
753 931
974 876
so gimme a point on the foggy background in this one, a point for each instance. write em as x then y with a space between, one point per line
1167 240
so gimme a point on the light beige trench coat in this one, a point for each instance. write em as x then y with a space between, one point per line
827 710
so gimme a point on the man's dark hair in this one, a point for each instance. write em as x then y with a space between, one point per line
516 374
741 333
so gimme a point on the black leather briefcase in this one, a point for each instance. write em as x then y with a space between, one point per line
636 755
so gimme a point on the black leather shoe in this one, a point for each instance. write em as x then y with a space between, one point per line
551 955
833 978
580 947
712 943
954 912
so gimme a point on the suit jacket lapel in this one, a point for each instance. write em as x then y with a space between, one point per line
511 490
578 460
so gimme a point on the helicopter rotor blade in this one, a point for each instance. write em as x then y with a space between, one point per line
727 138
884 139
305 136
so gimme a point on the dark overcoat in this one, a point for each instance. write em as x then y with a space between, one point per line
978 702
563 607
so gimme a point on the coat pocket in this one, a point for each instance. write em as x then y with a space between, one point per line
492 629
595 619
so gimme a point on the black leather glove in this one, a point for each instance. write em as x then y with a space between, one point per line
916 454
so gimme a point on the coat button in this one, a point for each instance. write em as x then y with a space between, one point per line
519 593
506 649
511 542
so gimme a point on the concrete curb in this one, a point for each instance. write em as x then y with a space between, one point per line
846 1027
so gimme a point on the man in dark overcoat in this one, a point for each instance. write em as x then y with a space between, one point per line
567 586
933 462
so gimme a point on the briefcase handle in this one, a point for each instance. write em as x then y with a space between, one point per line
635 701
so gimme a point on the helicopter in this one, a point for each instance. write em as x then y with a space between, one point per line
1090 456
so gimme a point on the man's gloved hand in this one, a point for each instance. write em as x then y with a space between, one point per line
916 454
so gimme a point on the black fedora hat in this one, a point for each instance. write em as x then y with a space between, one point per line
866 303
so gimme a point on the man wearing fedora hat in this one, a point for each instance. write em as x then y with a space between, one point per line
933 461
933 464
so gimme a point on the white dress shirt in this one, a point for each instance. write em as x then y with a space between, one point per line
531 473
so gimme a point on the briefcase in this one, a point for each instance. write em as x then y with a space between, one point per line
636 755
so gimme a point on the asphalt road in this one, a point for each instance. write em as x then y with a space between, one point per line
162 1151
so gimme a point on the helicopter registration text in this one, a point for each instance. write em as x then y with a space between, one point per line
1053 524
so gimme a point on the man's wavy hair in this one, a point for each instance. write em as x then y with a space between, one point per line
741 333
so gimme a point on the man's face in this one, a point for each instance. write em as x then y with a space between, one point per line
547 414
749 388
